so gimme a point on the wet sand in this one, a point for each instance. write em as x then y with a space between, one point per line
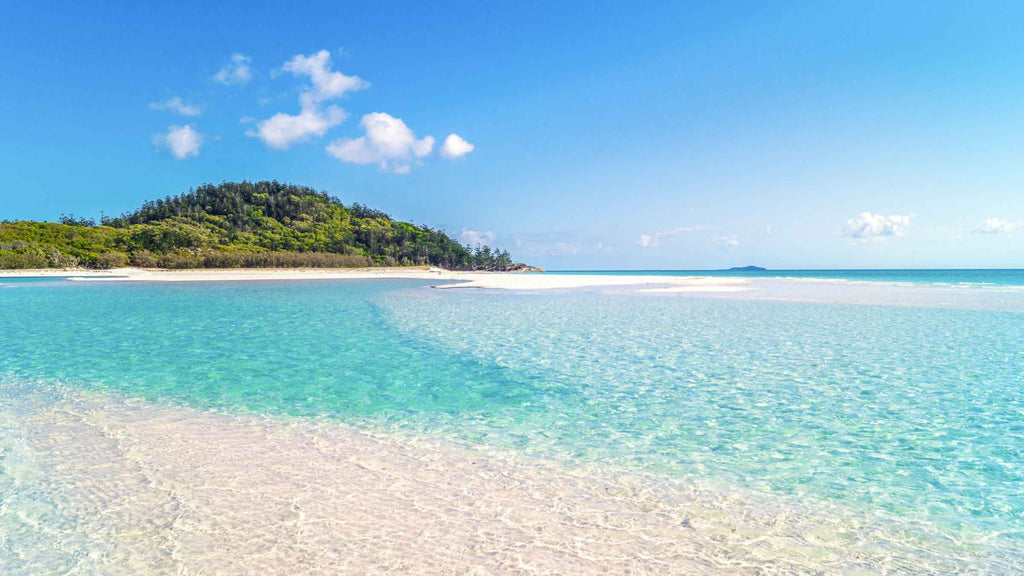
161 490
493 280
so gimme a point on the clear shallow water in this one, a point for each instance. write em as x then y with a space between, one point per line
914 413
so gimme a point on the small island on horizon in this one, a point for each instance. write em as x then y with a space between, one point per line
242 225
747 269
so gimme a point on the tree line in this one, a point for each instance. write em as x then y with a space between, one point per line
243 224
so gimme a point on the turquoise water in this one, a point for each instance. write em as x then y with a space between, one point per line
999 277
912 411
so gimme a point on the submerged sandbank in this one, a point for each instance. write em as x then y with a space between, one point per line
131 486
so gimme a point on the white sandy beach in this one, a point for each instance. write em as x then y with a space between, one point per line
784 289
494 280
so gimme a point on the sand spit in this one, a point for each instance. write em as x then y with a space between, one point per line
491 280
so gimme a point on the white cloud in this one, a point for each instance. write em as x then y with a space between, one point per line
727 241
477 237
996 225
869 225
455 147
327 84
653 240
388 142
176 105
235 72
181 141
246 120
282 130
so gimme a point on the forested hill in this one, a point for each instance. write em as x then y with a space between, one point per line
261 224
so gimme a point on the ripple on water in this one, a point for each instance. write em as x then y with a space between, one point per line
138 487
843 435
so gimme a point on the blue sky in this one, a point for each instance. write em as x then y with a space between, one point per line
604 135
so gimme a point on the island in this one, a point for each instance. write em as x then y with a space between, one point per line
747 269
241 225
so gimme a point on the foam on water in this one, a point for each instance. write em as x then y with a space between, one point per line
556 431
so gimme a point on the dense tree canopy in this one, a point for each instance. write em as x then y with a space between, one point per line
245 224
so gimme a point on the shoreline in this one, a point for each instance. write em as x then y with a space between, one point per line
777 289
303 495
474 279
107 476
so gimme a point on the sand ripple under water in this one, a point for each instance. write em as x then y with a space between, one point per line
93 484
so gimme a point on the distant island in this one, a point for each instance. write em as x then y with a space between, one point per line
747 269
241 225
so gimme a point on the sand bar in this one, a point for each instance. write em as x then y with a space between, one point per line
492 280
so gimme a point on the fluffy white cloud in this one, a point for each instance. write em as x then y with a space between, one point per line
181 141
455 147
235 72
727 241
653 240
869 225
477 237
996 225
315 118
326 83
388 142
176 105
282 130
